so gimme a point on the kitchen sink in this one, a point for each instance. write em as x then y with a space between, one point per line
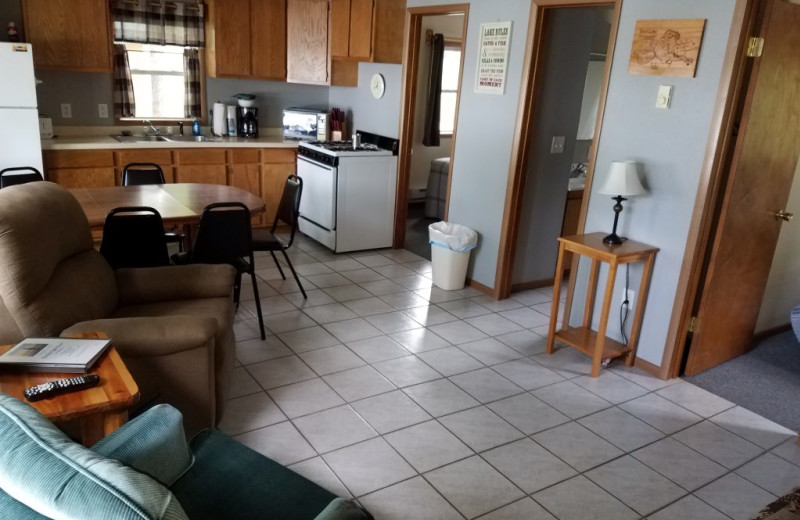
191 139
139 138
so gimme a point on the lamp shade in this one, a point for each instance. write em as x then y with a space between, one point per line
623 179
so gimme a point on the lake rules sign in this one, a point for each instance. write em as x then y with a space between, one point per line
493 57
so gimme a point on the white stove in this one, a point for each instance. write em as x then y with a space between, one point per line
348 197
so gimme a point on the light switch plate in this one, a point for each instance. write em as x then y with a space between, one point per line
66 110
558 144
664 97
102 110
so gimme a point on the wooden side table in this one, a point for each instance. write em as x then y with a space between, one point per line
100 410
583 338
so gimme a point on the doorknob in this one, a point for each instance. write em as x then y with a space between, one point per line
782 215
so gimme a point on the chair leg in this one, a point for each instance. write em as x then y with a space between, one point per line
278 264
294 273
237 289
258 305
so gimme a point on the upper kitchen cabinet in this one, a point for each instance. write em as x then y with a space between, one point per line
69 34
246 39
367 30
307 57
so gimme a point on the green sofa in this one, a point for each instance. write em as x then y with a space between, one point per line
147 471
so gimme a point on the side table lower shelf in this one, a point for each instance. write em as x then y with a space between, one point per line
585 339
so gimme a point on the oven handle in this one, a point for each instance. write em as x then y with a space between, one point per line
315 163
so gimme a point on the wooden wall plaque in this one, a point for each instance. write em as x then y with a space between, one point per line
666 47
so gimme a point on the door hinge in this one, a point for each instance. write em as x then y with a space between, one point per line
755 46
693 324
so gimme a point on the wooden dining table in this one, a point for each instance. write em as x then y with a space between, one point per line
179 204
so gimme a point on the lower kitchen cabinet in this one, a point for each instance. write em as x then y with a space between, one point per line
261 171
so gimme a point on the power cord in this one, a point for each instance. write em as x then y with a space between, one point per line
624 308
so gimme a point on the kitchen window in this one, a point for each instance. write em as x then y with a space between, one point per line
157 72
451 64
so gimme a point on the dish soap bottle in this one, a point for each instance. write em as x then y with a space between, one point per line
195 127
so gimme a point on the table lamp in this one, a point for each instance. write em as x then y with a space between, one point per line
622 181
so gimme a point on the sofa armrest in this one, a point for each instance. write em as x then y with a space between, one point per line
153 443
174 282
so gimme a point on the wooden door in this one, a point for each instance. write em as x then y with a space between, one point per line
762 169
307 58
340 28
268 39
231 43
361 29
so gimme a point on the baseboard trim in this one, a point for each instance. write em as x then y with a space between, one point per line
535 284
650 368
758 336
482 288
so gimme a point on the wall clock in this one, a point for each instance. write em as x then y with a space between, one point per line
377 86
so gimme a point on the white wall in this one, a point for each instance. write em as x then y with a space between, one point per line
670 146
450 26
783 286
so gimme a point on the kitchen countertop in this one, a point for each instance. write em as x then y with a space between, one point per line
100 142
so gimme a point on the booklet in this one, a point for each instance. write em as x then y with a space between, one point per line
74 355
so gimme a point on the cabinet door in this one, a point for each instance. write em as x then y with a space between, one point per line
273 179
389 23
340 28
69 34
247 177
202 173
307 57
361 29
230 43
268 39
82 177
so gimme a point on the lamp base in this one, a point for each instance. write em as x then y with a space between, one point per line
613 239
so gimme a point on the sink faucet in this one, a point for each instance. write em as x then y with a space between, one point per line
155 129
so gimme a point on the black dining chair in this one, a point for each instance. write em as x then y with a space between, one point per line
19 175
288 213
224 237
133 236
143 173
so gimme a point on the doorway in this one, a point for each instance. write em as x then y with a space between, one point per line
432 83
567 96
759 163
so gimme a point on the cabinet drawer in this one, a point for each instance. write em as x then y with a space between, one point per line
244 156
204 156
78 158
82 177
160 157
279 155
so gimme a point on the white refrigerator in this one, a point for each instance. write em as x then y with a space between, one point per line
20 144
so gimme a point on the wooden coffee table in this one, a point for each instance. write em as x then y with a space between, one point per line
100 410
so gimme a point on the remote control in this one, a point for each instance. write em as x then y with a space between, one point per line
61 386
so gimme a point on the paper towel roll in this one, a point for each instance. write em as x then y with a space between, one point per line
219 126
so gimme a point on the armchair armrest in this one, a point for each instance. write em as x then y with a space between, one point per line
153 443
174 282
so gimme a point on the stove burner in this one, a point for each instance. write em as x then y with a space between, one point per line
344 146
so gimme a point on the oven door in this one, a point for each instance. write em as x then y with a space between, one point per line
318 200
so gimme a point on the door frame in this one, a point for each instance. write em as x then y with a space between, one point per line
712 184
520 148
408 100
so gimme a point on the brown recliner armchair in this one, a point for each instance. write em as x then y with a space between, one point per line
173 326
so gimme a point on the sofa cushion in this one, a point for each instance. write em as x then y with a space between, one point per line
212 488
44 470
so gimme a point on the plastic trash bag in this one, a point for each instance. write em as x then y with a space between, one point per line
454 237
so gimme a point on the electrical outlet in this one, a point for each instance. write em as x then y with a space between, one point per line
631 296
66 110
102 110
664 97
558 144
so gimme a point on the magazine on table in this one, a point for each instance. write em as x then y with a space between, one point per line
54 355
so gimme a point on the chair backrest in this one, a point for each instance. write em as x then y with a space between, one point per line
51 275
19 175
136 174
133 236
223 234
289 207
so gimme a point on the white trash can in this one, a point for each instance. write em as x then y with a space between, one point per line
450 247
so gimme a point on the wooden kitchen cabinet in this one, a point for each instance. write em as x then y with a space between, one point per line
246 39
80 169
307 57
204 165
69 34
277 165
162 158
367 30
244 171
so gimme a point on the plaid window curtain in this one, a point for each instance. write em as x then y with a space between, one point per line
124 102
159 23
191 82
433 104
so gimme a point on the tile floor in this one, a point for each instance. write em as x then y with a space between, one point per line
431 404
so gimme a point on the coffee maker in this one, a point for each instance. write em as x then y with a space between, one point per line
248 121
